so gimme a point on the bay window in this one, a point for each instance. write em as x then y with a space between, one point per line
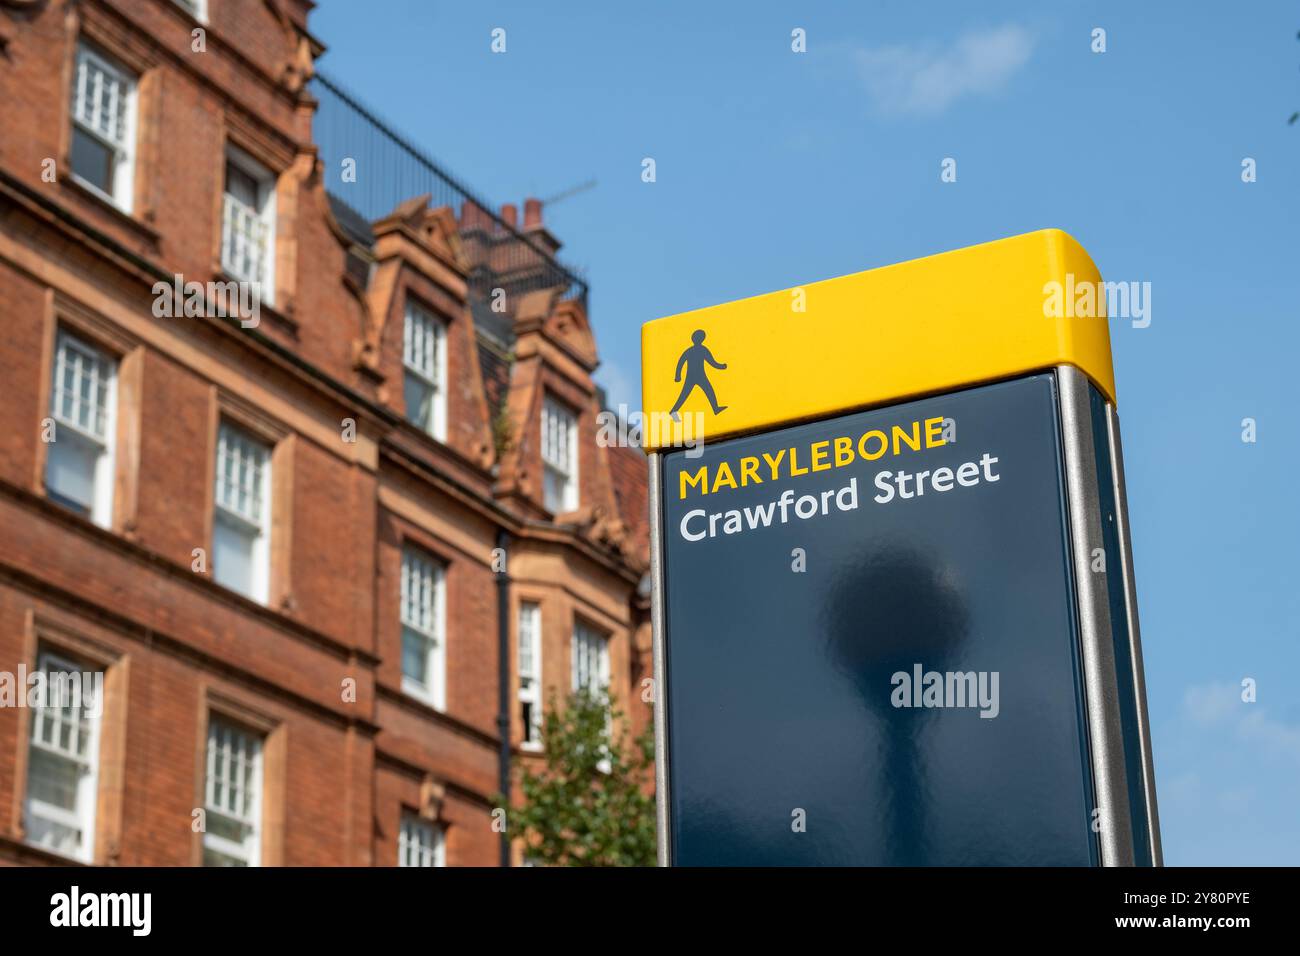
590 659
530 674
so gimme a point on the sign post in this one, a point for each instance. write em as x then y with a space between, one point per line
894 612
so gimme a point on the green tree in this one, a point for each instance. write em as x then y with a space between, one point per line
592 802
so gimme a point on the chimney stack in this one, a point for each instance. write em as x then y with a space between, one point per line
532 213
474 217
510 213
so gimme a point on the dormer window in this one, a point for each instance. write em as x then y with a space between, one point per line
559 456
424 354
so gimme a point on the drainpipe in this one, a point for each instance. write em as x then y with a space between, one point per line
503 684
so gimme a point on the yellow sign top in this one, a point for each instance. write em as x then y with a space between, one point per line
930 325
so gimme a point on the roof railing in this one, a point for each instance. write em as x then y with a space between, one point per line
390 169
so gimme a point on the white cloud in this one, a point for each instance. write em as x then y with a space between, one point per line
1274 735
927 80
1208 704
1221 704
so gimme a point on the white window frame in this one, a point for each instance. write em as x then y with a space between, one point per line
235 210
559 428
424 619
590 652
68 429
413 849
257 523
530 678
122 190
83 818
198 9
424 358
250 850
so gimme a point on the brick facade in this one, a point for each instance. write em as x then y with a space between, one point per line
315 671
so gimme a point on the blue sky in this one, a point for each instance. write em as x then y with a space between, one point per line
776 169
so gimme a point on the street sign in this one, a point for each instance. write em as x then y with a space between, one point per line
893 599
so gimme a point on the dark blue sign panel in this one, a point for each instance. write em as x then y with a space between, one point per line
871 643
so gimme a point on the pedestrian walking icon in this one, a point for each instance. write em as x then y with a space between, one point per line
695 358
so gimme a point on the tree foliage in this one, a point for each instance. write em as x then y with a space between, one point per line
592 801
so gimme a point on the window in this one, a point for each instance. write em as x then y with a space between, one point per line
241 528
423 620
248 223
232 796
424 353
79 460
591 673
530 673
590 659
197 8
63 760
103 126
420 843
559 456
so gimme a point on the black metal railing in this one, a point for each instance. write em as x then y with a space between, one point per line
390 169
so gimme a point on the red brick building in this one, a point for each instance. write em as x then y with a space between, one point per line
278 528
